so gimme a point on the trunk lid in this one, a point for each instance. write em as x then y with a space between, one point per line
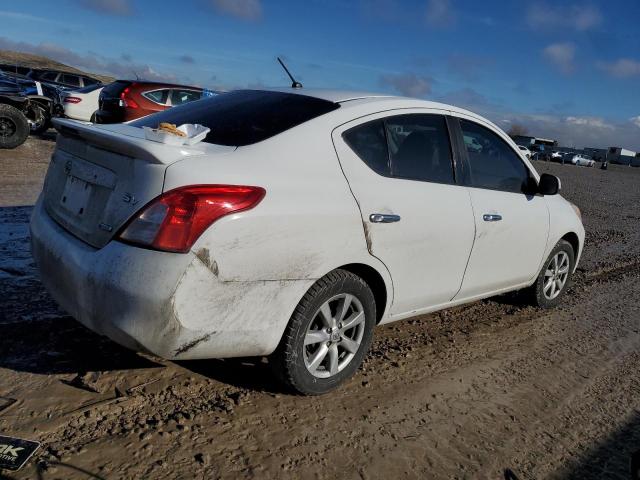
99 176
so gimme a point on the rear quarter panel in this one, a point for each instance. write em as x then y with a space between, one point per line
308 223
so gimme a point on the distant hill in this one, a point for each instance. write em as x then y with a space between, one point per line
37 61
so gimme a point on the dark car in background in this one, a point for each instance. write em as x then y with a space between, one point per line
14 106
63 79
125 100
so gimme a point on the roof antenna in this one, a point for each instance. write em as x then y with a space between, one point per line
294 82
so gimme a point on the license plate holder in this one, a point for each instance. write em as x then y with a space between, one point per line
75 195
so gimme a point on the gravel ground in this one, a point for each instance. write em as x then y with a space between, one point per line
494 389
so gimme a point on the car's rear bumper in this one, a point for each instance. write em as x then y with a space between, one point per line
172 305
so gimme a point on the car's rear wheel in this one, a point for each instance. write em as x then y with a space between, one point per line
553 280
14 127
328 335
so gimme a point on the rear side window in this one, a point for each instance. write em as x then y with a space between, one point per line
89 81
73 80
157 96
49 76
244 117
413 147
370 144
492 162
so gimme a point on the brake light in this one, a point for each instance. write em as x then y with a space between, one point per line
72 99
126 100
176 219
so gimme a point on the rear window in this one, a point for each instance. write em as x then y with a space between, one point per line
244 117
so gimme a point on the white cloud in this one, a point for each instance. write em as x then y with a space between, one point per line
408 84
440 13
561 55
243 9
635 121
622 68
593 122
580 17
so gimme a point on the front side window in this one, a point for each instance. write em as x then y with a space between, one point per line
413 147
492 163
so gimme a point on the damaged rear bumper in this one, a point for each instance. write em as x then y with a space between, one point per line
172 305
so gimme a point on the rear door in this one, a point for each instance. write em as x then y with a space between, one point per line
512 224
418 221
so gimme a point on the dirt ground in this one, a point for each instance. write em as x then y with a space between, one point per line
491 390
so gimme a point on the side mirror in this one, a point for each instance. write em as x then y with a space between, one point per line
549 184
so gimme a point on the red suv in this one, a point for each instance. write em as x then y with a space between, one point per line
125 100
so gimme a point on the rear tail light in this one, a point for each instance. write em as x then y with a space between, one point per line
127 101
72 99
176 219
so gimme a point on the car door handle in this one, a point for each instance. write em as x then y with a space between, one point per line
491 217
383 218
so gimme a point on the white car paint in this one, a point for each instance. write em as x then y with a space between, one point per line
525 151
79 104
233 292
583 161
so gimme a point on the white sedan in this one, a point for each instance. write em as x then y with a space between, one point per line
81 104
526 152
583 160
304 219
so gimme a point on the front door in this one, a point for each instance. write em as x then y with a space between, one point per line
417 220
512 224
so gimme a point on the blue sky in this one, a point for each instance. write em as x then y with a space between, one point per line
568 70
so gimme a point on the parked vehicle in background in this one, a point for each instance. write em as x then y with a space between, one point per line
63 79
14 105
556 156
582 160
44 98
81 104
125 100
525 150
295 227
539 153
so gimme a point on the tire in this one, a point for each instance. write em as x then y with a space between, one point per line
39 118
14 127
542 293
93 118
337 354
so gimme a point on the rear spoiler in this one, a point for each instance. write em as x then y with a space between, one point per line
126 140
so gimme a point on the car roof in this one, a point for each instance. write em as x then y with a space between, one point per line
360 98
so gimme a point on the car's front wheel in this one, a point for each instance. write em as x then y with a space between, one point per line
553 280
328 335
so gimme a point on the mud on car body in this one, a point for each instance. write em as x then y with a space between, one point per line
304 219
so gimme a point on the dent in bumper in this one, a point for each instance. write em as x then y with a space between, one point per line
171 305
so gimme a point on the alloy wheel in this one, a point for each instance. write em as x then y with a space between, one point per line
334 335
555 275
